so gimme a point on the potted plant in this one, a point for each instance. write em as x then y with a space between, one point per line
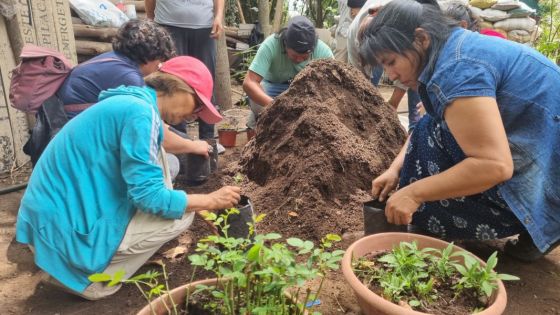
259 274
413 274
227 135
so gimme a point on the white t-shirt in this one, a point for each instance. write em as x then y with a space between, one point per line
353 45
185 13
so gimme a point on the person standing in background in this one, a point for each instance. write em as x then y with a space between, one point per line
194 26
347 9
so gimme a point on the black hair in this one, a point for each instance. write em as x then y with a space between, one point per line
144 41
394 30
461 12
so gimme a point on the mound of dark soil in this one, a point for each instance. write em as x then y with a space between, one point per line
316 151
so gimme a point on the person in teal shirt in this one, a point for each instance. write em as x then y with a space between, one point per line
279 58
100 198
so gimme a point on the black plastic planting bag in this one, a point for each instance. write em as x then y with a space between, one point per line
375 220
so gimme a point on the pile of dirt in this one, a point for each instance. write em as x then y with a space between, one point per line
316 150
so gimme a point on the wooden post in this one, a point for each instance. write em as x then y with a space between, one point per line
240 9
222 83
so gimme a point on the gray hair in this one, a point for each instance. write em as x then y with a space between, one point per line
461 12
394 30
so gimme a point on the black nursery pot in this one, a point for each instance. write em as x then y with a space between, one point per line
375 220
197 169
238 223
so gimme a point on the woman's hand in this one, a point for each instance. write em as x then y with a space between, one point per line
225 197
201 147
401 206
384 184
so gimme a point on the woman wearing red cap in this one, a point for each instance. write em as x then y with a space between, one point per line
124 207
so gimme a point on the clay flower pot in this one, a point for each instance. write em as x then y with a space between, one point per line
373 304
227 137
179 296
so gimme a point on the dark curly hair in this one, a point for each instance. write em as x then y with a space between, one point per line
144 41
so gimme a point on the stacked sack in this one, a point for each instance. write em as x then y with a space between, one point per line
511 18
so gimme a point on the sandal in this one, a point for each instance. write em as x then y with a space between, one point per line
525 250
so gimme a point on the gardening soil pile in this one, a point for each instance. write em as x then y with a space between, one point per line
317 149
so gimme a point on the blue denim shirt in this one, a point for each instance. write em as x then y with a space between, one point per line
526 86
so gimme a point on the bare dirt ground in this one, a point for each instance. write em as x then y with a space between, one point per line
23 292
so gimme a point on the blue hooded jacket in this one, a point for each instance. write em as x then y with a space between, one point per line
90 181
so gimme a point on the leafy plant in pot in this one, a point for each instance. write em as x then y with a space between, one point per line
403 273
259 274
254 274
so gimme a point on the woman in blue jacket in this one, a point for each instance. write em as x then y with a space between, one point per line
98 200
483 164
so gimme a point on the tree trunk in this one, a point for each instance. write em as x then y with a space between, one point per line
319 12
264 17
278 14
222 83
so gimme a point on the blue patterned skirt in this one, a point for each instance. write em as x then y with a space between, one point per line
484 216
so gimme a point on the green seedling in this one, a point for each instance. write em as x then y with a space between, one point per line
238 178
413 275
261 268
482 279
147 283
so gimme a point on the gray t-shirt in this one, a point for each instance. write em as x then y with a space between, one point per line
185 13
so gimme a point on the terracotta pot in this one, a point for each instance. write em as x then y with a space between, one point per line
179 296
373 304
227 138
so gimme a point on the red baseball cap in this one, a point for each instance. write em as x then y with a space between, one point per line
198 77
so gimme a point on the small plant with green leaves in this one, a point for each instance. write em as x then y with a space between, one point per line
238 179
255 273
247 57
147 283
483 279
423 277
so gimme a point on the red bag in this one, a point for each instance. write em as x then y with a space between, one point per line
39 75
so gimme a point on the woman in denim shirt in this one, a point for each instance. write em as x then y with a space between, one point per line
482 164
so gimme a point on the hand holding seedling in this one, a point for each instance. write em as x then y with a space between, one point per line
201 147
225 197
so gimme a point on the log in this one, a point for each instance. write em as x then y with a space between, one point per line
234 40
77 20
87 47
234 32
104 34
140 5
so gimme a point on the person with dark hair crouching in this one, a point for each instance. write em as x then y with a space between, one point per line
482 163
